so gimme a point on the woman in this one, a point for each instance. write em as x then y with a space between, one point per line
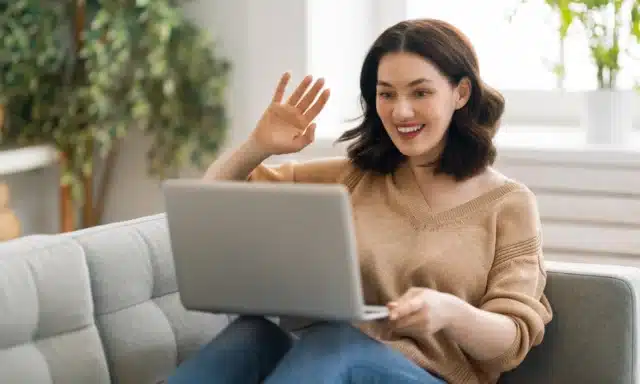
449 244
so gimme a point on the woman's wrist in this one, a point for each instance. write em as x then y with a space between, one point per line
252 151
460 313
481 334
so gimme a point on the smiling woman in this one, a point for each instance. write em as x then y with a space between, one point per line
425 102
445 241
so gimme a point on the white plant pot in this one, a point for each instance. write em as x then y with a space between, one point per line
607 116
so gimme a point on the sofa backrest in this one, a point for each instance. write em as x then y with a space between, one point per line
145 329
95 306
48 333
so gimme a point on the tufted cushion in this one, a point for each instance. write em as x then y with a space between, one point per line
145 330
47 329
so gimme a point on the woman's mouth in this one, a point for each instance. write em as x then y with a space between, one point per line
410 131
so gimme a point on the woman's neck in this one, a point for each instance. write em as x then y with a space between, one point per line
428 160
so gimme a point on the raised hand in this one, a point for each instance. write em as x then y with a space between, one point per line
288 127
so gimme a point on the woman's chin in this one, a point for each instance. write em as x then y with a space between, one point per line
420 152
416 151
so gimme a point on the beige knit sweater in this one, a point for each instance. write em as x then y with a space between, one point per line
486 251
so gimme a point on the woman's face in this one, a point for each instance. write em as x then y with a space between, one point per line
415 103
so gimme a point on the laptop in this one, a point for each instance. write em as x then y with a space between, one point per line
269 249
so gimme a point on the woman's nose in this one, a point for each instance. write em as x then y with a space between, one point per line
402 110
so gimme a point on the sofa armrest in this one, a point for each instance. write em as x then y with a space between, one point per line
593 337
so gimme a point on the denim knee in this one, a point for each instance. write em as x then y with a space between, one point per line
262 332
372 373
247 350
336 331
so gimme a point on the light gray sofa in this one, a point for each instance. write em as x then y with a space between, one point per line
101 306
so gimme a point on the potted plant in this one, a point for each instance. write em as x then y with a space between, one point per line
31 58
612 28
95 70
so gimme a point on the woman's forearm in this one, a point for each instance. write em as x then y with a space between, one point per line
481 334
236 164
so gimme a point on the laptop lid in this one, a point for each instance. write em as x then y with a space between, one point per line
264 248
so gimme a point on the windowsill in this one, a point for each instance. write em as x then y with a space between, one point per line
565 145
25 159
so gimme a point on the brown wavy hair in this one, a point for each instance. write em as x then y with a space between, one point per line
469 147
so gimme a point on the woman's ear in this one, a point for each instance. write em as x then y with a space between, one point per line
462 92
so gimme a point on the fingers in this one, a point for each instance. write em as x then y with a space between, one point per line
310 96
412 292
299 91
409 307
410 321
300 98
282 86
316 108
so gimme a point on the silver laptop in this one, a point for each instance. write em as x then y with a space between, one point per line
272 249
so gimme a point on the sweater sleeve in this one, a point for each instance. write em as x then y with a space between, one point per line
325 171
517 279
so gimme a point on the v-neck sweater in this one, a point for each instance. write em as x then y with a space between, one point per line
486 251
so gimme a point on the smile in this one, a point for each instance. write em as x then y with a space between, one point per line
410 129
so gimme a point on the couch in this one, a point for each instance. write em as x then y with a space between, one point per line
101 306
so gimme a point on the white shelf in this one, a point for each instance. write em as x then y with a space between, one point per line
26 159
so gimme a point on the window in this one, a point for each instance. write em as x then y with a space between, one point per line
517 55
506 51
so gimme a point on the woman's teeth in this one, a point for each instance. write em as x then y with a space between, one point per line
413 128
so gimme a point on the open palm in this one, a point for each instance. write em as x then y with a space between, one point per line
288 127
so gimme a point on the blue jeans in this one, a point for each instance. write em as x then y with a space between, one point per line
255 350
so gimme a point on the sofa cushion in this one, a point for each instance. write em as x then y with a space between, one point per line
47 329
145 329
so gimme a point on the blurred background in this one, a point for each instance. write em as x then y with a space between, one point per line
100 100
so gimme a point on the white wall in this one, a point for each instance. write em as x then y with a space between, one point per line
262 39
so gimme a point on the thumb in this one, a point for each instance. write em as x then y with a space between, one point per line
408 303
310 133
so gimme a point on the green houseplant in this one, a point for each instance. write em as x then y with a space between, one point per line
612 30
612 27
81 75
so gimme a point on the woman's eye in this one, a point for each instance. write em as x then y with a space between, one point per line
385 95
422 93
